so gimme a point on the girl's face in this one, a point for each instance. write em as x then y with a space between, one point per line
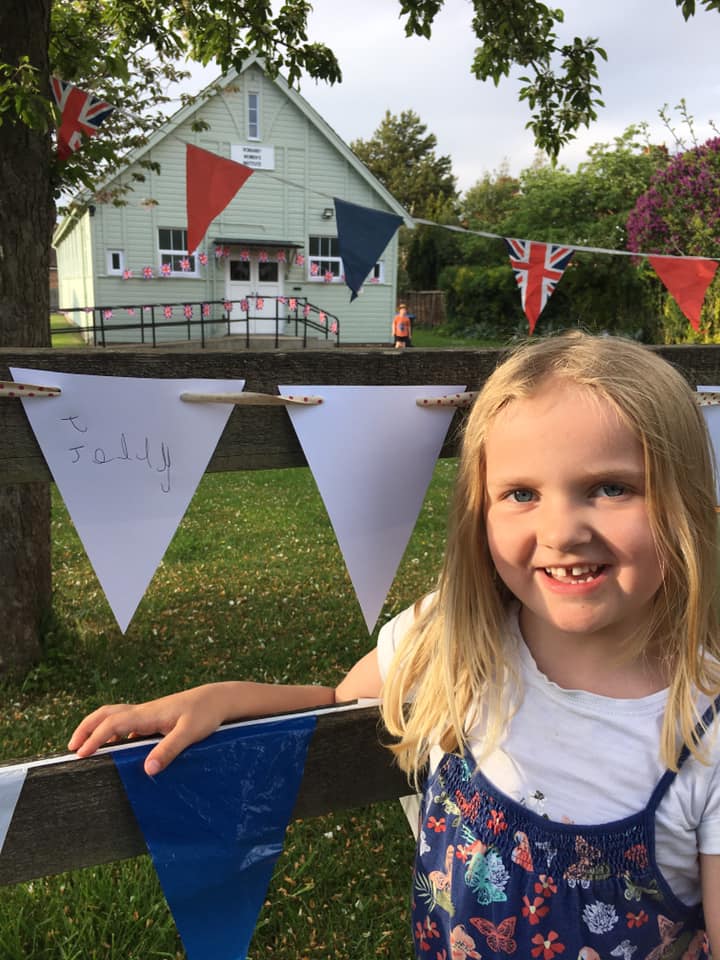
567 519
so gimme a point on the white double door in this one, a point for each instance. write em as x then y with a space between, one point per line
261 284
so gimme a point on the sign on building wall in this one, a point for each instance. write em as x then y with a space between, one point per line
259 158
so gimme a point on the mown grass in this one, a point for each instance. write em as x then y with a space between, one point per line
440 337
70 338
253 585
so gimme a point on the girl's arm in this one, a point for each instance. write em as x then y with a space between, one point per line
191 715
710 875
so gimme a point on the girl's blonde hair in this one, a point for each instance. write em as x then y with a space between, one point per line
453 659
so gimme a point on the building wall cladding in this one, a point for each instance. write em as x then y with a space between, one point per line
311 166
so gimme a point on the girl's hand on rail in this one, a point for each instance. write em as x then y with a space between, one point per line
183 718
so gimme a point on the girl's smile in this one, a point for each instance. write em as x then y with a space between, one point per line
567 519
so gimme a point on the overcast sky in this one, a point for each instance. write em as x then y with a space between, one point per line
654 57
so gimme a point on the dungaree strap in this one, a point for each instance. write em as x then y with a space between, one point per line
669 775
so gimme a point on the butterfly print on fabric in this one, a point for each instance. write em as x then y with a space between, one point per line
669 932
500 937
521 854
633 891
442 880
470 809
462 944
624 950
589 865
449 806
549 851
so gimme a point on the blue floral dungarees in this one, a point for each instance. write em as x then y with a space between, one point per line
494 879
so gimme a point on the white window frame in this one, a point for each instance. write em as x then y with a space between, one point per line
377 272
325 258
253 108
174 253
111 270
328 256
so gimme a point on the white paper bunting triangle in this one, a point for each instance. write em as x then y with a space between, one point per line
11 783
127 455
372 452
712 419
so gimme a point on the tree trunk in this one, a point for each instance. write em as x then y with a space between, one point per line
26 219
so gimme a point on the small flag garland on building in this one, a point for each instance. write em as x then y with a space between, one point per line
81 114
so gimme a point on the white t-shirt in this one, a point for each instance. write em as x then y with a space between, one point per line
590 759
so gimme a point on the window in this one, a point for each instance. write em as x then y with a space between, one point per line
115 261
268 272
253 116
377 274
172 244
324 258
240 271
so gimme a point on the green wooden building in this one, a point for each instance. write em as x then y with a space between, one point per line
270 252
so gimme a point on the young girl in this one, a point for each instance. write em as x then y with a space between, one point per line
559 685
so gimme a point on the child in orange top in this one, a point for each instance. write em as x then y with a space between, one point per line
401 328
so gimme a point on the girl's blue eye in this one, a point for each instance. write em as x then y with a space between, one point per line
521 496
611 489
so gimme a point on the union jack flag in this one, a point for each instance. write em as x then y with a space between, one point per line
81 113
538 267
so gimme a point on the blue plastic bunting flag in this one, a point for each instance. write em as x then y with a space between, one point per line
214 822
363 234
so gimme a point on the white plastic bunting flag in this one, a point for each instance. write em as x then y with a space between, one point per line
712 420
127 455
11 783
372 452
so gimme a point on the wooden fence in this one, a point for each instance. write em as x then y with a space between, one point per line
427 306
75 814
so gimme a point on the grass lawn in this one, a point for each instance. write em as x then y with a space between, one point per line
254 586
439 337
73 338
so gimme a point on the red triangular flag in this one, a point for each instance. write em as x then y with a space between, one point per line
687 280
212 182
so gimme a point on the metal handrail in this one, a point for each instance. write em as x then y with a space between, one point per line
100 328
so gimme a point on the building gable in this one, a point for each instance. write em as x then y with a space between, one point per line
284 209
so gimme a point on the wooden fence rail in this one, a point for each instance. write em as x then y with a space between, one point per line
74 813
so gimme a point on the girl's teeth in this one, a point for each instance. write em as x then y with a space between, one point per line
586 572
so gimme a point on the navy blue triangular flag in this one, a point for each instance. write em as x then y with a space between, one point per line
363 234
214 823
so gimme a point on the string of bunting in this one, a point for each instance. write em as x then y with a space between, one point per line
18 391
363 233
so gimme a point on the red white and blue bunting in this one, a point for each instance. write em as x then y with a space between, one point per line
364 232
538 268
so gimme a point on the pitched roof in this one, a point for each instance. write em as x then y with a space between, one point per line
85 196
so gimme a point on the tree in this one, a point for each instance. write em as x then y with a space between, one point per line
401 154
678 214
117 45
488 202
111 44
561 87
589 208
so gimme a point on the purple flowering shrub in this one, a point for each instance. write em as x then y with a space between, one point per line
680 214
